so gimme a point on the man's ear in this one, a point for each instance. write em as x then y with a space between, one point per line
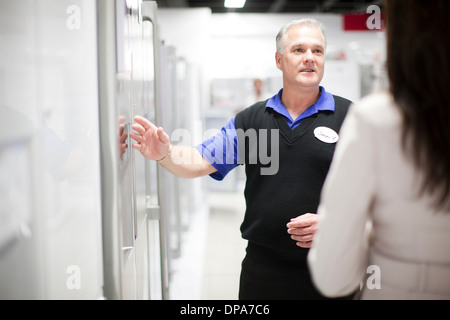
278 59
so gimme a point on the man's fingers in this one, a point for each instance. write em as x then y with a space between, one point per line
143 125
302 221
305 238
138 128
136 137
305 245
144 122
163 137
302 231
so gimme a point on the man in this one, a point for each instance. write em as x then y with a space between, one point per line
287 143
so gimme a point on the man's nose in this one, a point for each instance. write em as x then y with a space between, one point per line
309 57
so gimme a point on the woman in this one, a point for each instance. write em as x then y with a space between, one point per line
391 172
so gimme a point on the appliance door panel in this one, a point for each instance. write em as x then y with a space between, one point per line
68 104
156 241
126 182
49 165
18 111
139 107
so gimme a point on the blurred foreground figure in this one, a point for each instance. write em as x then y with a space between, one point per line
391 171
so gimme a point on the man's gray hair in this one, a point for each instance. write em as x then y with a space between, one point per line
309 22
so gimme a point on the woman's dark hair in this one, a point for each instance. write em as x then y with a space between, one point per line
418 63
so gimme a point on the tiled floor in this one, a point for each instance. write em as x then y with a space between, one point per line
210 262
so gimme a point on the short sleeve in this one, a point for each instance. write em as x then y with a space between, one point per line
221 150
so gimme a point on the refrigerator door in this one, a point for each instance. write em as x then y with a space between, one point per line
156 242
49 162
67 98
126 89
20 254
142 72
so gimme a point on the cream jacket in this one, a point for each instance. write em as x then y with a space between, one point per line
373 231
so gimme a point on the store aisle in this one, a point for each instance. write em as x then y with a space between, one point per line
225 247
210 262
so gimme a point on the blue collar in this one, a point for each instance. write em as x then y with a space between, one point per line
325 102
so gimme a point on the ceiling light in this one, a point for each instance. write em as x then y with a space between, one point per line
234 3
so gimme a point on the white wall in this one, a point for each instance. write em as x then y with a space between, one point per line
188 30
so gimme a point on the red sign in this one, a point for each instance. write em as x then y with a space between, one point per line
364 22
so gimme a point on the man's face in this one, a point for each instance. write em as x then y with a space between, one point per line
303 59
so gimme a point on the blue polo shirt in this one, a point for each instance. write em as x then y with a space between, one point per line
222 151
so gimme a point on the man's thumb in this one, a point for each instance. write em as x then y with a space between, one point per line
163 137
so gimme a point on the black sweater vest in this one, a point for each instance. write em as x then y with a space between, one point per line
288 190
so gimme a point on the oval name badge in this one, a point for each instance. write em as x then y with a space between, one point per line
326 135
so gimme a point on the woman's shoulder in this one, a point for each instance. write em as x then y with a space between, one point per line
377 108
